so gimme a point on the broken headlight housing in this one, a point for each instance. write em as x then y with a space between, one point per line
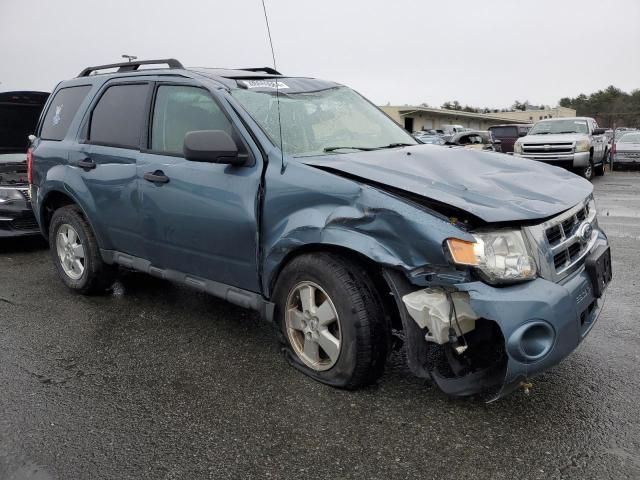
499 256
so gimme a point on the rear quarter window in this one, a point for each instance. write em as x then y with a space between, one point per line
62 110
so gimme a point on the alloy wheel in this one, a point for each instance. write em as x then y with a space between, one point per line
313 326
70 251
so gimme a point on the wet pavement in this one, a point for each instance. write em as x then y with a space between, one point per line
159 382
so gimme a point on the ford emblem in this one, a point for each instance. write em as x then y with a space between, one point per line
585 231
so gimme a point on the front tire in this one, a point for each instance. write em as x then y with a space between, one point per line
75 252
587 172
331 321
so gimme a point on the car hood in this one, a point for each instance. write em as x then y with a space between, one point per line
554 138
492 186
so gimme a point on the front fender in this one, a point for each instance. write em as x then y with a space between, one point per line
330 210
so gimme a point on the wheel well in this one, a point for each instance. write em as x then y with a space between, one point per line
53 202
373 270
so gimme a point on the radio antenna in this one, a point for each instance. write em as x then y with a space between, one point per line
275 67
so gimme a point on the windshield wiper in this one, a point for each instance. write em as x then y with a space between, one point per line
395 145
571 131
368 149
332 149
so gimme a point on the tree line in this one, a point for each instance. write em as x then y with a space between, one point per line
611 107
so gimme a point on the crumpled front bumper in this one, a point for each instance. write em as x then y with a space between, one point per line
568 307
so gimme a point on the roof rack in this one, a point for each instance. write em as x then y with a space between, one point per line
131 66
268 70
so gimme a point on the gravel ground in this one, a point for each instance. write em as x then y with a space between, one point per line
159 382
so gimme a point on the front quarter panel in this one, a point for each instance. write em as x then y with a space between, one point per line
306 206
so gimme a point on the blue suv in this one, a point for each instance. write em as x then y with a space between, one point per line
298 198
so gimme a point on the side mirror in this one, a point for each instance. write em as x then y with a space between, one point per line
522 134
598 131
213 146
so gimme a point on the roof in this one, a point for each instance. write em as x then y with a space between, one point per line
406 110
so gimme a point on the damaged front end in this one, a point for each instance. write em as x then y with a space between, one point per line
478 338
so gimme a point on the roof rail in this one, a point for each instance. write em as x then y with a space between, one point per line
268 70
131 66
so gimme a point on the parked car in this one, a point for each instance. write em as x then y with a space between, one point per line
479 140
626 150
300 199
430 138
575 143
508 134
19 112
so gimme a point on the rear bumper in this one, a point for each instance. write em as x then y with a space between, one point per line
572 160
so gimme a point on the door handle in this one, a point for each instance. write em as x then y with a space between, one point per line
87 163
156 177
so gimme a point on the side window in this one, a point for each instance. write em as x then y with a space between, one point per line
179 109
62 109
118 117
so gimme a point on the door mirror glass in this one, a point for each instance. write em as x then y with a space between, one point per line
214 146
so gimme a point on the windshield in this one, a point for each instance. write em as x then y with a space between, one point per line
330 121
560 126
630 138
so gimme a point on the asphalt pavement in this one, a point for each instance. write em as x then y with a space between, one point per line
156 381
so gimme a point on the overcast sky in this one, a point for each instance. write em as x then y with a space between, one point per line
403 52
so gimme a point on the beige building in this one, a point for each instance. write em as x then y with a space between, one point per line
414 118
532 116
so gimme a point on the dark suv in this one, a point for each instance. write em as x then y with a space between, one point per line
19 113
300 199
509 134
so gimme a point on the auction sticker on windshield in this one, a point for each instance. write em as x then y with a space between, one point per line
263 84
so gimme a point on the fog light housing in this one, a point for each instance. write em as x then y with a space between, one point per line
531 341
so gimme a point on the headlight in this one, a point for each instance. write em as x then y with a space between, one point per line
583 146
501 256
517 147
9 195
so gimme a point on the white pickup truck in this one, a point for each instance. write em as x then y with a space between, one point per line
575 143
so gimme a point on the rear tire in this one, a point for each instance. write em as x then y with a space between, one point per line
360 336
75 252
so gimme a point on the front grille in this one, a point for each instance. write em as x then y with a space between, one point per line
25 223
551 148
628 155
563 238
558 244
25 192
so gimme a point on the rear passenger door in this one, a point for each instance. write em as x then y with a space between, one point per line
199 218
106 161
